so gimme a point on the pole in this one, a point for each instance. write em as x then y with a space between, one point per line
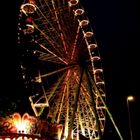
129 120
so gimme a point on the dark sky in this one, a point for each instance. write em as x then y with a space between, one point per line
117 31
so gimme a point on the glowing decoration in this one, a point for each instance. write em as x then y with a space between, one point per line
6 125
21 123
18 124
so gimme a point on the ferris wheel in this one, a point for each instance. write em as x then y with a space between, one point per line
70 72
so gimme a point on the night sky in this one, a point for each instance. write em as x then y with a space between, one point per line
116 27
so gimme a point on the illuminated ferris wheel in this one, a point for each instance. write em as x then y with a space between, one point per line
71 74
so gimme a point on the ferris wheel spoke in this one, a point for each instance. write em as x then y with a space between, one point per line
75 42
46 18
83 122
60 28
57 71
61 104
52 53
61 100
51 92
60 21
47 42
53 36
86 115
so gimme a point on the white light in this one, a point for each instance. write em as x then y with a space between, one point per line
130 98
